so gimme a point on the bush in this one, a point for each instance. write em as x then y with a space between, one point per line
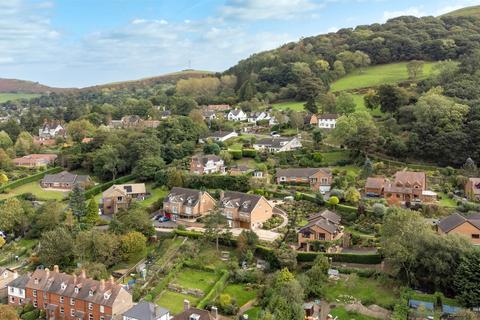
236 154
249 153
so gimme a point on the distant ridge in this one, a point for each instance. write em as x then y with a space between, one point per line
23 86
465 12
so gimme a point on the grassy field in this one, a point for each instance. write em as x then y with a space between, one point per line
155 195
173 301
367 290
446 201
292 105
240 292
464 12
342 314
195 279
377 75
35 189
330 158
16 96
361 106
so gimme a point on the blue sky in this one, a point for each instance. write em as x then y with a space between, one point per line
75 43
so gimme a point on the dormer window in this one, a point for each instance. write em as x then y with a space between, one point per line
106 295
77 289
63 286
36 280
90 293
194 316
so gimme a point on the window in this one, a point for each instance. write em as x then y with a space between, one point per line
62 310
35 303
90 316
34 293
77 289
12 289
72 301
72 312
90 293
102 318
61 299
12 299
21 301
475 236
102 309
90 306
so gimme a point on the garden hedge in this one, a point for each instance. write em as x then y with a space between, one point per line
34 177
104 186
216 290
164 282
249 153
236 154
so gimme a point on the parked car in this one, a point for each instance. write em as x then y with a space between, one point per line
164 219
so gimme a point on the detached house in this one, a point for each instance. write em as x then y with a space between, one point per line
323 226
319 179
406 186
51 130
458 224
237 115
146 311
242 210
254 117
472 189
327 121
220 136
35 160
190 313
187 203
275 145
65 181
6 276
120 196
70 297
209 115
207 164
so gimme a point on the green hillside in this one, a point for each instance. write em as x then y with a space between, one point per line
16 96
465 12
376 75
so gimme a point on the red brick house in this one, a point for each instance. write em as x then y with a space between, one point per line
458 224
323 226
242 210
319 179
72 297
187 203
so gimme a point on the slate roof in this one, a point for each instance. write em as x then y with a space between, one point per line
146 311
236 112
327 220
218 134
273 142
187 315
65 177
301 172
243 201
103 293
204 159
454 220
186 196
20 282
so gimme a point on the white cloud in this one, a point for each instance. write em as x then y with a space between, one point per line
267 9
412 11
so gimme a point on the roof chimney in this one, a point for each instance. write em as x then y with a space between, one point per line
15 274
55 268
102 285
112 280
74 278
47 272
83 274
186 305
215 312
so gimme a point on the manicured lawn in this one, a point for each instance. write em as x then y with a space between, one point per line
292 105
367 290
446 201
236 146
16 96
241 292
343 314
333 157
253 313
173 301
155 195
195 279
377 75
35 189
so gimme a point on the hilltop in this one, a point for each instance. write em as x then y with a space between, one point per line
465 12
24 86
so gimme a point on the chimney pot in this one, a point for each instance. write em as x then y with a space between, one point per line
55 268
83 274
74 278
102 284
186 305
112 280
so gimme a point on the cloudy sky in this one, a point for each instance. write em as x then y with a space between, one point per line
75 43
